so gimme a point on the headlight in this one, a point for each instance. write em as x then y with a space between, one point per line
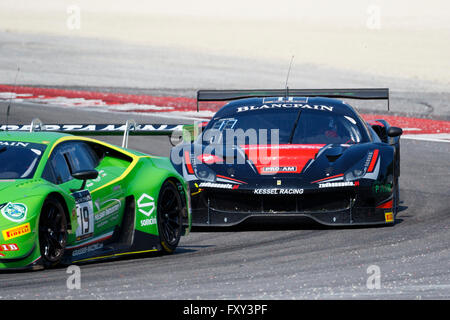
204 173
357 171
354 174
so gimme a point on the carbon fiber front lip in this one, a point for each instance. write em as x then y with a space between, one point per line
348 217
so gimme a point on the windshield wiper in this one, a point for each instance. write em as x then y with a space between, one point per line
295 126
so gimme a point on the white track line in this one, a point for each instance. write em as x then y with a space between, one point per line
434 137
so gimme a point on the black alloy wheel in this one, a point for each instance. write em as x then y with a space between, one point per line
52 232
170 210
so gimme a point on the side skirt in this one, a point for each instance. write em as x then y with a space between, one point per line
143 243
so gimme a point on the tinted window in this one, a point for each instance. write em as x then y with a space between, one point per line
315 127
19 160
60 168
67 158
81 157
311 127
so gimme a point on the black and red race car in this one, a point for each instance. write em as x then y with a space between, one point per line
304 153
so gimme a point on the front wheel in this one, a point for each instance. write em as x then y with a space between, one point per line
52 232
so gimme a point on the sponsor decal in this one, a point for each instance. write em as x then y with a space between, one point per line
278 191
148 222
285 106
285 99
339 184
14 144
382 188
146 201
279 169
389 216
16 212
85 214
281 156
16 231
96 127
368 159
101 174
8 247
108 211
93 247
373 161
216 185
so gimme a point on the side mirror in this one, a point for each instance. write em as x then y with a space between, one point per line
84 175
394 132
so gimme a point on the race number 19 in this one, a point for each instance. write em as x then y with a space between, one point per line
85 214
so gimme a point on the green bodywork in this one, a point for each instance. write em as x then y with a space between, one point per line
123 174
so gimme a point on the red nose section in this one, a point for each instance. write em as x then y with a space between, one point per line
282 158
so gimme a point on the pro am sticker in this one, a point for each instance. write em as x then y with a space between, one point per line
16 212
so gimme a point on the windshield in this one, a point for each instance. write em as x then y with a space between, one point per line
19 160
291 126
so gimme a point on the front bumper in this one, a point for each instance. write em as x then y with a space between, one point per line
19 245
339 207
31 261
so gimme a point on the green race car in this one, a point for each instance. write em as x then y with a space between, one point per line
69 199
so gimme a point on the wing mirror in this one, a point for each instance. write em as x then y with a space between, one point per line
394 132
84 175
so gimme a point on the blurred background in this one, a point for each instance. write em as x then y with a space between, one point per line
178 46
99 61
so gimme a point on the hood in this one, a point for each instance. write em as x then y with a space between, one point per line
11 190
6 185
283 158
305 163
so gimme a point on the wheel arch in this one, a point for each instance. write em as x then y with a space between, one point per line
58 197
182 191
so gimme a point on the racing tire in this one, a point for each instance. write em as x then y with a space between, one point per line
396 203
52 232
169 217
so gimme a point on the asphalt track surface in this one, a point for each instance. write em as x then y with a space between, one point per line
271 259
